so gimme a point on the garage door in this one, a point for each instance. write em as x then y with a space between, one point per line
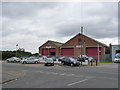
45 52
67 52
93 52
52 52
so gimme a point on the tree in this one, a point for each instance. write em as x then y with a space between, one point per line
35 54
21 50
107 51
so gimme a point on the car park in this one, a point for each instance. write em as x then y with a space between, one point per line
49 61
33 60
13 59
70 61
117 58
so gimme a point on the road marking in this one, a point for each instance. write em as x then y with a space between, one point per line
63 74
77 82
70 74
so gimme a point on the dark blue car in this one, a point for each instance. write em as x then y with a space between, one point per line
70 61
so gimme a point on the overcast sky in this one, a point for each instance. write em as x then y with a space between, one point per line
31 24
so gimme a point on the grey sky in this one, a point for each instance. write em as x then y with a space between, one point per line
31 24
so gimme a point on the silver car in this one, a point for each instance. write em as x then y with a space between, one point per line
30 60
42 59
13 59
49 61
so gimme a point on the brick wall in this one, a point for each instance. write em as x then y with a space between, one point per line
88 43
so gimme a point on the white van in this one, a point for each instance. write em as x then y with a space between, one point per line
117 58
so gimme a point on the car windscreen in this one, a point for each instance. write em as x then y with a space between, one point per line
117 56
49 60
71 59
30 58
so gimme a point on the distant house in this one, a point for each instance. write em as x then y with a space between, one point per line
72 47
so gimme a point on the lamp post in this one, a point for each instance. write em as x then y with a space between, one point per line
16 49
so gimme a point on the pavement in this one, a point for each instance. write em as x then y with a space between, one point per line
11 74
39 76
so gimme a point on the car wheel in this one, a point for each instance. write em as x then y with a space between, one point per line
24 62
62 63
36 62
71 64
15 61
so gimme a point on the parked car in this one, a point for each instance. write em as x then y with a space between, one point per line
90 58
117 58
70 61
33 60
54 58
61 58
84 57
42 59
49 61
13 59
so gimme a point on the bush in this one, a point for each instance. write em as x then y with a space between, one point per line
9 54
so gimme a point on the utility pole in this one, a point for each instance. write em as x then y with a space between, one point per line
81 43
98 54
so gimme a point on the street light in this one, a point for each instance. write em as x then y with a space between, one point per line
16 49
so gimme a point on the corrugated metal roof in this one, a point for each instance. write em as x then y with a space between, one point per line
56 43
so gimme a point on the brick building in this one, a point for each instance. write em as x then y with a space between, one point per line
73 47
50 47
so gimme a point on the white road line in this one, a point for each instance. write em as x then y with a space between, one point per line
63 74
77 82
70 74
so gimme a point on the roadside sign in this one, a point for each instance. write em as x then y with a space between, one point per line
48 46
79 46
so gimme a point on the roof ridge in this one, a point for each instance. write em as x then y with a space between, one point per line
55 41
87 37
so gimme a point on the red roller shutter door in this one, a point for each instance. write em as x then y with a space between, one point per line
93 52
52 49
67 52
45 52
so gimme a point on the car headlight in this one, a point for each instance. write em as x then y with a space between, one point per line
74 62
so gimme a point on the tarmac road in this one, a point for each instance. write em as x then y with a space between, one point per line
39 76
